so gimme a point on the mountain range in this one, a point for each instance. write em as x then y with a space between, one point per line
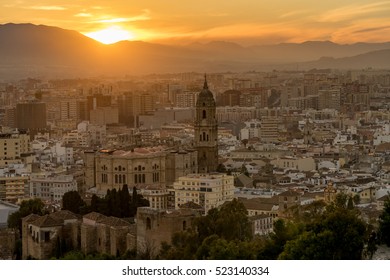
37 50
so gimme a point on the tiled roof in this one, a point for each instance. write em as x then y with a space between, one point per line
290 193
114 222
46 221
258 204
383 198
94 216
30 218
64 215
190 205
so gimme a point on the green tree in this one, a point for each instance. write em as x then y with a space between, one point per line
384 224
284 231
27 207
356 199
183 246
230 222
136 201
114 203
350 203
73 202
338 235
124 201
225 226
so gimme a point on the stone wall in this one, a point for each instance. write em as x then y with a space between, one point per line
88 238
157 226
7 243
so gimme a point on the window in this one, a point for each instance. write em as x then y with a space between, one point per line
204 114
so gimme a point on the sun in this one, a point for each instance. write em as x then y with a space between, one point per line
111 35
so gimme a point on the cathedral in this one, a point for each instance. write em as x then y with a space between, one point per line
206 131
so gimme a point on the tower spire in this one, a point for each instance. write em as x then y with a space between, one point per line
205 86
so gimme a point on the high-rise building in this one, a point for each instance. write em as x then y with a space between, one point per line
229 98
97 100
206 131
131 105
68 109
31 116
127 109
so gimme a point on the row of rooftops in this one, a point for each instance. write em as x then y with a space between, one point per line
144 151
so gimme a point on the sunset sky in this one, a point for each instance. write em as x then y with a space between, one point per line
185 21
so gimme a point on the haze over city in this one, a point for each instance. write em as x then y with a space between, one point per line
183 22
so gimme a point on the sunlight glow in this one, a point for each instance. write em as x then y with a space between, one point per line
111 35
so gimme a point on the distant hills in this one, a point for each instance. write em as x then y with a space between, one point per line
37 50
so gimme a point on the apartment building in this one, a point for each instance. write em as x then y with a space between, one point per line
209 190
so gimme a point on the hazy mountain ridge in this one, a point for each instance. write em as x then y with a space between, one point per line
27 49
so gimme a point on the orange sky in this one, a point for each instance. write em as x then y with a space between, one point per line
186 21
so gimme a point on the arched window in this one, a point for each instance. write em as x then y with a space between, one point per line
124 179
204 114
135 179
116 179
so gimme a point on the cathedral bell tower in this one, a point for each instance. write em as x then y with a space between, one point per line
206 131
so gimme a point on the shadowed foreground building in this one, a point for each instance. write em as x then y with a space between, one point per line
155 226
44 237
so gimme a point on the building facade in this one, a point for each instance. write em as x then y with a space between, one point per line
207 190
51 187
152 166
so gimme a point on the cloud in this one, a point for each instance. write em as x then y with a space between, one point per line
83 15
354 11
294 14
144 16
372 29
48 8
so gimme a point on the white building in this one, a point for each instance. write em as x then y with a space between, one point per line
251 130
62 154
295 163
208 190
51 187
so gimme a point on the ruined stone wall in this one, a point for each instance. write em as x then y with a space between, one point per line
103 239
156 226
118 241
88 238
131 241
